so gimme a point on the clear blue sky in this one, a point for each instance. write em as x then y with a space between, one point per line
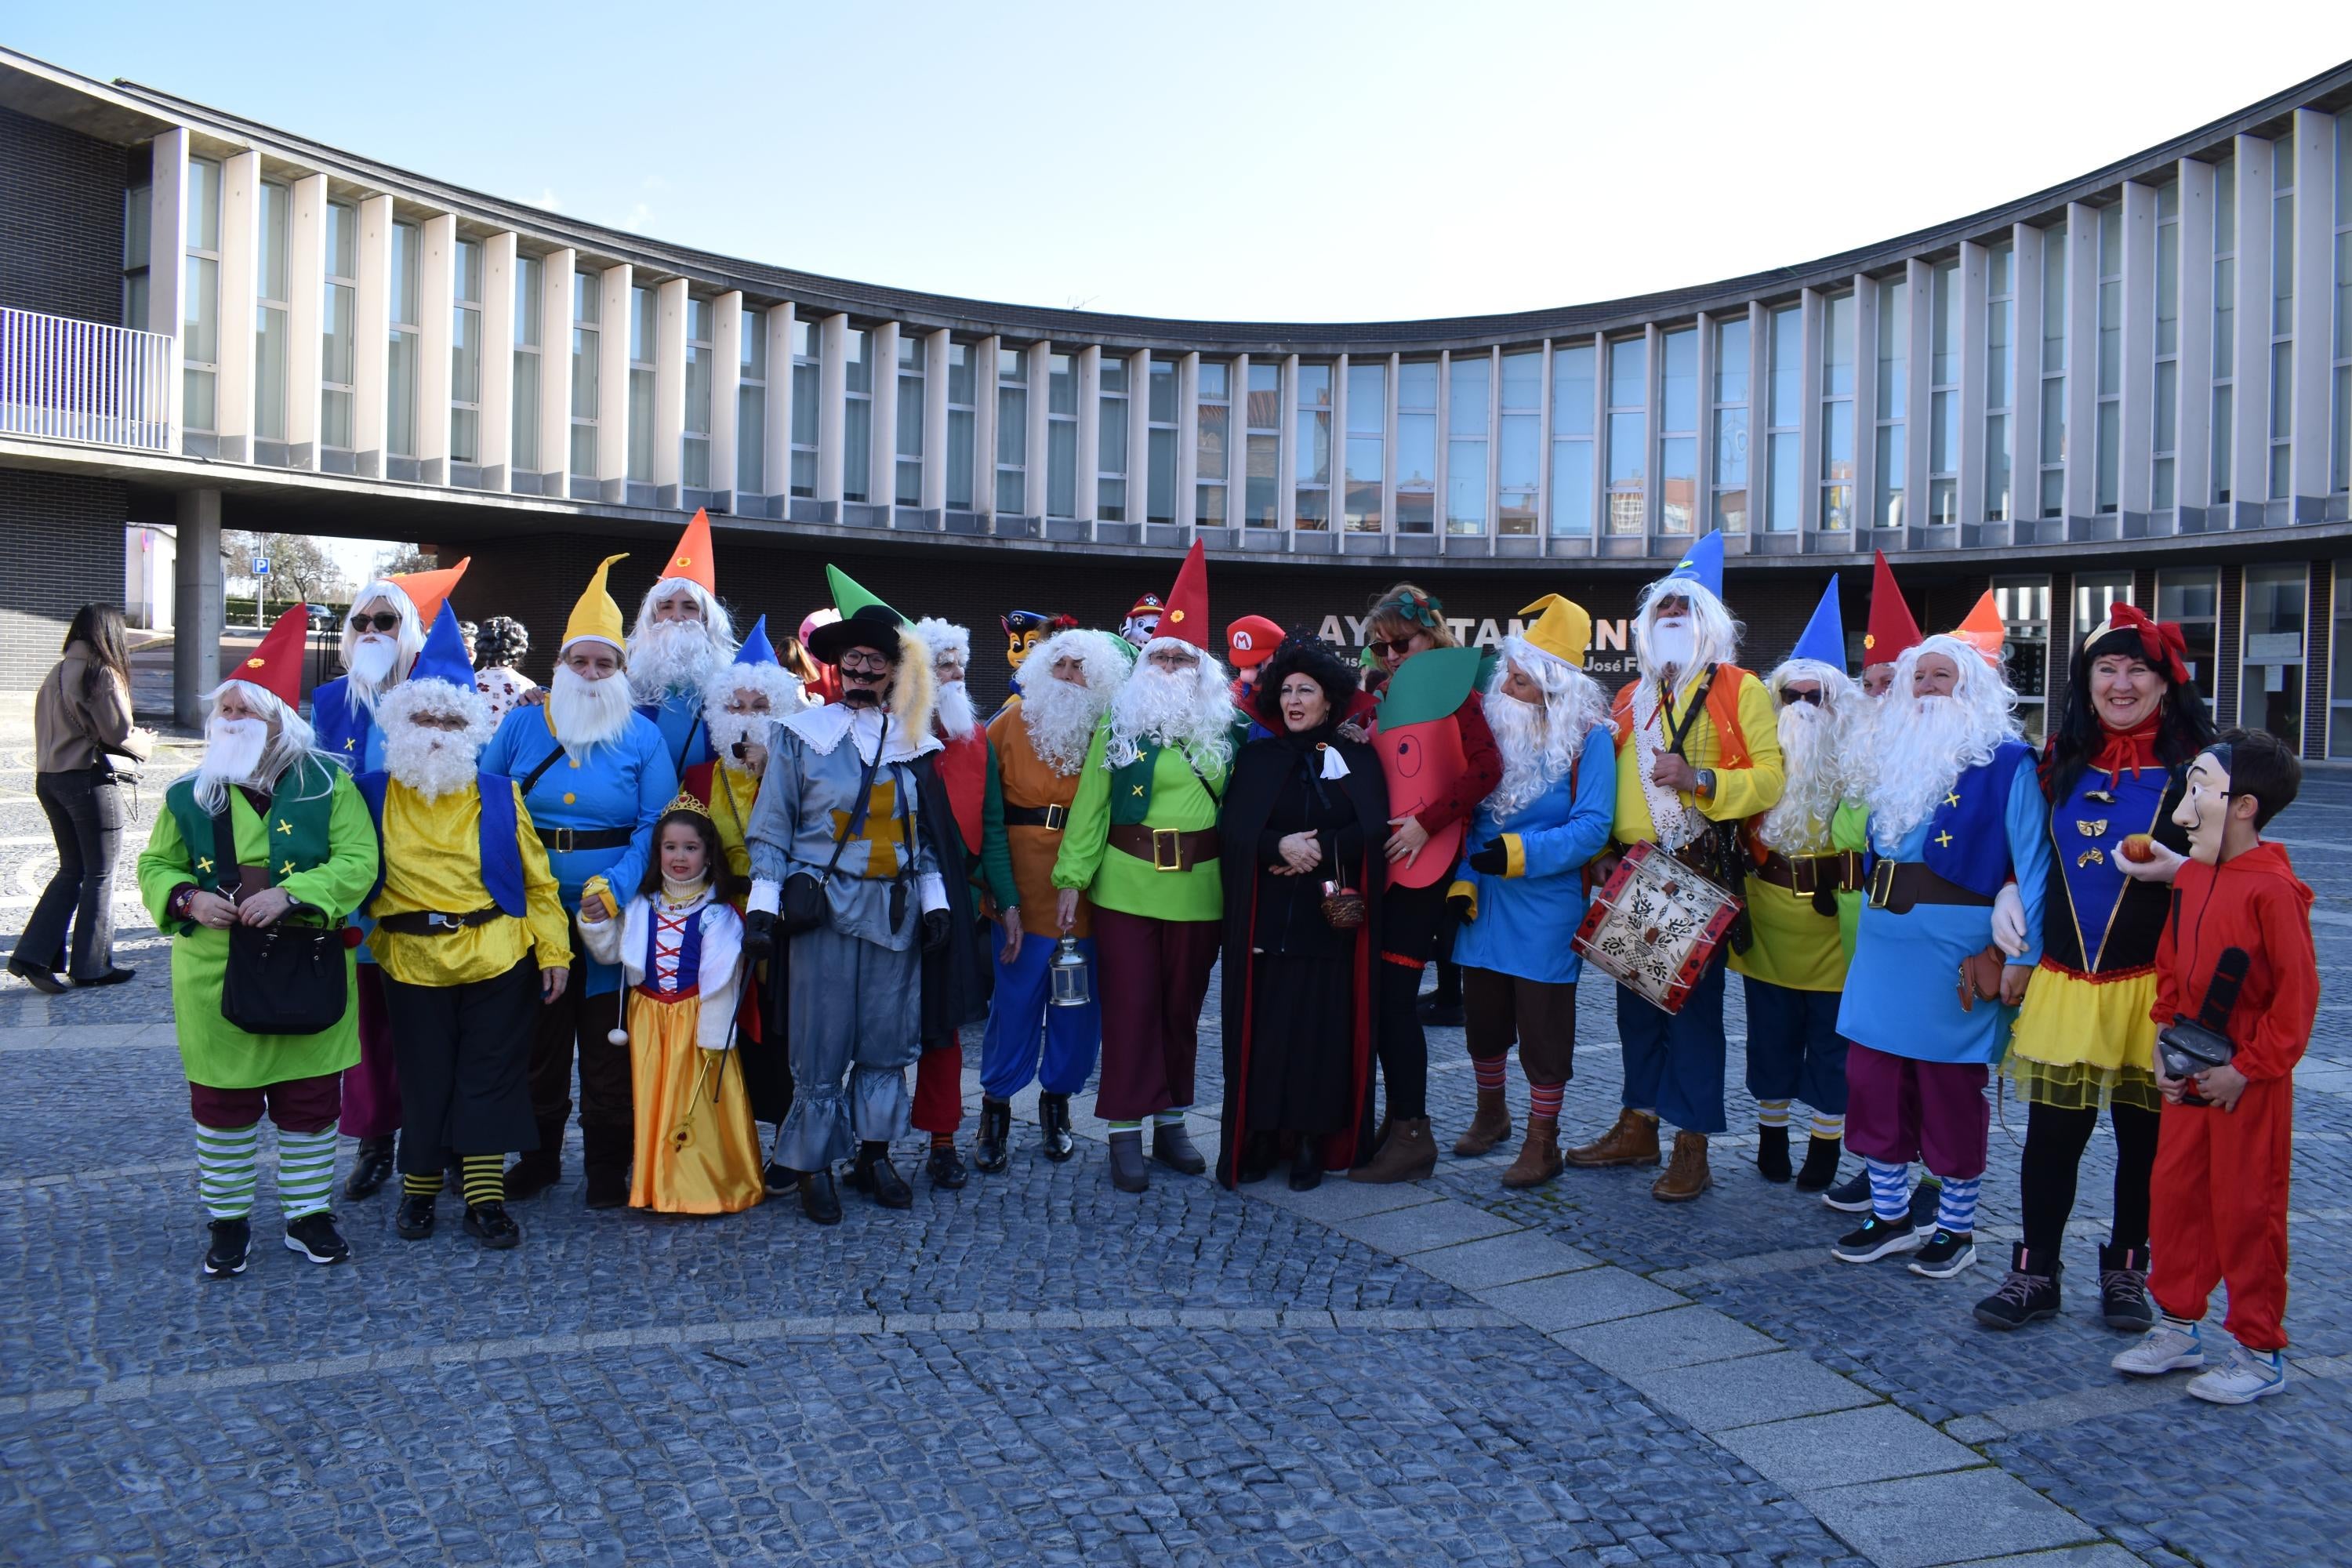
1267 160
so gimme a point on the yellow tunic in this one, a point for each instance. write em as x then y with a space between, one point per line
1796 946
1739 792
732 792
433 861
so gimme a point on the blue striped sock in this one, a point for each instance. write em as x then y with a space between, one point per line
1890 1189
1957 1211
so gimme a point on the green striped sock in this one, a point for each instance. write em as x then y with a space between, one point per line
225 1160
306 1171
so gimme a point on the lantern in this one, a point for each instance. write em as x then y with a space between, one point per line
1073 984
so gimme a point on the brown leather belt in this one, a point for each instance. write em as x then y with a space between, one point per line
1049 816
1168 848
1898 887
1805 875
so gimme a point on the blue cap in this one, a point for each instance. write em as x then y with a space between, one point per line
1824 636
444 655
1703 563
757 648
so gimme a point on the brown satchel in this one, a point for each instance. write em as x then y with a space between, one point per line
1981 977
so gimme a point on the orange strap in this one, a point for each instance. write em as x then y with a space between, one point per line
1722 712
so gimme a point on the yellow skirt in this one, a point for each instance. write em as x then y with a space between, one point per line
2080 1043
698 1151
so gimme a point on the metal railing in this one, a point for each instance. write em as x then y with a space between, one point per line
80 381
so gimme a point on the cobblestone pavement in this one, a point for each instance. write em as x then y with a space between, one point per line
1041 1370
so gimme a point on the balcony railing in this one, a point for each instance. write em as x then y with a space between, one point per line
80 381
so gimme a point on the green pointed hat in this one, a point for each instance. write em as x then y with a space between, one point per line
849 597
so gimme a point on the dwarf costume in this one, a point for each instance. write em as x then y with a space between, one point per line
955 977
307 834
594 807
678 714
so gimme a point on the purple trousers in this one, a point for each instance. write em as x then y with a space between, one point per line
372 1089
1900 1110
1154 976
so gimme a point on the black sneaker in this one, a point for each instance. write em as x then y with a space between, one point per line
493 1225
415 1217
1926 1198
314 1235
2026 1295
225 1256
1875 1239
946 1167
1851 1195
1946 1254
1772 1154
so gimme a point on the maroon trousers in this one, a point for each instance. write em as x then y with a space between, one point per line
296 1104
372 1089
1900 1110
1154 977
938 1087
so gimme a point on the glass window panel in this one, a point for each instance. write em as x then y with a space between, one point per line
1110 437
963 375
1263 405
524 437
342 240
1314 464
1314 386
1417 384
1062 468
269 277
1731 361
400 399
1160 475
2053 300
1788 364
750 439
203 204
641 424
2167 287
1996 360
1466 412
1731 446
1944 364
1996 468
1210 463
1628 373
1465 485
1678 381
1677 483
1627 448
857 448
911 416
1571 391
1363 472
752 346
644 327
1262 497
1368 399
1522 386
1785 500
1943 436
1837 346
1571 489
1893 348
270 373
963 457
1163 409
1517 457
1216 378
1887 507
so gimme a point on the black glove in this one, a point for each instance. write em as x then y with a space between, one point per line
758 935
935 925
1491 861
1461 903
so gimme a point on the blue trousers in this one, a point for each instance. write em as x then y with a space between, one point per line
1674 1062
1021 1016
1794 1051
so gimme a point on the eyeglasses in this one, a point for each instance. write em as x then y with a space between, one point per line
1399 647
383 621
1813 697
868 661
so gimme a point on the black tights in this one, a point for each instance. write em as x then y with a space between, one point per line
1403 1048
2055 1138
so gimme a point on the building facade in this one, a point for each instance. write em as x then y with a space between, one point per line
2134 385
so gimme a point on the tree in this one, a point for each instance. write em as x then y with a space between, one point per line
403 558
299 567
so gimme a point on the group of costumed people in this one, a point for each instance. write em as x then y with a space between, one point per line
723 887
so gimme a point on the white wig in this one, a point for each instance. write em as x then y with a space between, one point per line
434 695
944 637
290 740
1713 631
714 613
1920 745
1573 707
780 686
1102 655
1814 741
410 634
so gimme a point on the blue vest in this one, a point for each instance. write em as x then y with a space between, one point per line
1967 841
501 850
689 954
344 731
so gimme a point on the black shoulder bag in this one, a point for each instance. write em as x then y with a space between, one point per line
803 895
282 979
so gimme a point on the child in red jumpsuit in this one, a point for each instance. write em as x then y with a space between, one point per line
2220 1190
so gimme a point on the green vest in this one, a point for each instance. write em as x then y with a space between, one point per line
1131 786
297 826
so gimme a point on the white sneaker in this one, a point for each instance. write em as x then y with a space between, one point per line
2163 1349
2245 1377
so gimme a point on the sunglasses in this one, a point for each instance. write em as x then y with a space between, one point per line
1813 697
383 621
1400 648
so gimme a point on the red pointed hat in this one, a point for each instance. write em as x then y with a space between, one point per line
1892 629
692 559
276 665
1186 618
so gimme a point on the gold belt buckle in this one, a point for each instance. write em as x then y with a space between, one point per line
1055 817
1167 849
1882 884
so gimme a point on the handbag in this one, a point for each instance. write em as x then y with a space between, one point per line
281 979
802 903
2186 1046
1981 977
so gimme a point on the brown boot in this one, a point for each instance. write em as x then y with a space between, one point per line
1687 1175
1409 1155
1490 1126
1633 1142
1539 1160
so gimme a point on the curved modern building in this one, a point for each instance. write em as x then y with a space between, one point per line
2138 385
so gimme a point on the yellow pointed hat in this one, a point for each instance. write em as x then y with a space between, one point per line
596 616
1564 629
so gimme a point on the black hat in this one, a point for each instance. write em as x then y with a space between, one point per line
872 626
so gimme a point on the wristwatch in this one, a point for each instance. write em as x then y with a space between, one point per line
1705 790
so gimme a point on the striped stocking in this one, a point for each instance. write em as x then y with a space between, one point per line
1956 1211
306 1171
225 1160
1890 1190
1771 1113
486 1178
1827 1127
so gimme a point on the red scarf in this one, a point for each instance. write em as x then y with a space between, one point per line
2133 749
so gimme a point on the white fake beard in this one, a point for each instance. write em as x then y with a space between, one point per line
673 656
1531 763
1799 823
372 661
587 712
727 728
952 707
233 751
1060 717
1922 746
1187 709
1672 645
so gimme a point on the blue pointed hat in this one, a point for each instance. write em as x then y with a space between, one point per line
1824 636
757 648
1703 563
444 656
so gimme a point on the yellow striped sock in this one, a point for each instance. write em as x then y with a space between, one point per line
486 1178
427 1185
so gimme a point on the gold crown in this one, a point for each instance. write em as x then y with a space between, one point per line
686 802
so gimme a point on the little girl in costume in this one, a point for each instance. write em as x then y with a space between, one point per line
680 945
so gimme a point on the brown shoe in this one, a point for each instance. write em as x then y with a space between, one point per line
1539 1160
1633 1142
1687 1175
1409 1155
1490 1126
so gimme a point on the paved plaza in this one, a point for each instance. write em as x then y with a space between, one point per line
1040 1370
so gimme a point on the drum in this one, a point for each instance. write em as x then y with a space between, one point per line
1655 926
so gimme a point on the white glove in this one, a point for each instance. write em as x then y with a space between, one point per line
2008 921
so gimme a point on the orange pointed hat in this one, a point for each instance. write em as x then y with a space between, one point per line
1186 618
276 665
429 590
1984 630
691 560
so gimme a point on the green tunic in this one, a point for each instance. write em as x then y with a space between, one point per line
213 1051
1173 796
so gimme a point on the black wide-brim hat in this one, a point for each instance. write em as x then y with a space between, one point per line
869 625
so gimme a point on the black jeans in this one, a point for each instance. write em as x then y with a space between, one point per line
85 811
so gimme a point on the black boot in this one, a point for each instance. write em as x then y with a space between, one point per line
988 1150
534 1173
2123 1289
492 1227
1053 1127
1172 1147
1820 1165
370 1170
1126 1172
413 1219
1772 1154
819 1201
1306 1167
2027 1295
873 1173
604 1159
946 1167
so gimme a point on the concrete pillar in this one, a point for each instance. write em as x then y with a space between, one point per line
240 257
1041 377
983 440
1440 467
2025 393
726 393
2135 446
1703 462
2250 446
494 449
1090 373
2082 360
436 295
2315 242
371 324
2192 462
167 265
199 614
1237 438
306 283
1809 416
776 456
555 285
1188 438
1918 397
935 420
832 390
1389 446
1975 340
670 390
1706 513
882 449
614 286
1139 437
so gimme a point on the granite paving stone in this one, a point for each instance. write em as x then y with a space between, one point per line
1753 1389
1682 1336
1924 1520
1573 1301
1875 1443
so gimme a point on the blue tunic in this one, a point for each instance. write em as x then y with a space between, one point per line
1524 921
347 734
686 739
1902 991
624 783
